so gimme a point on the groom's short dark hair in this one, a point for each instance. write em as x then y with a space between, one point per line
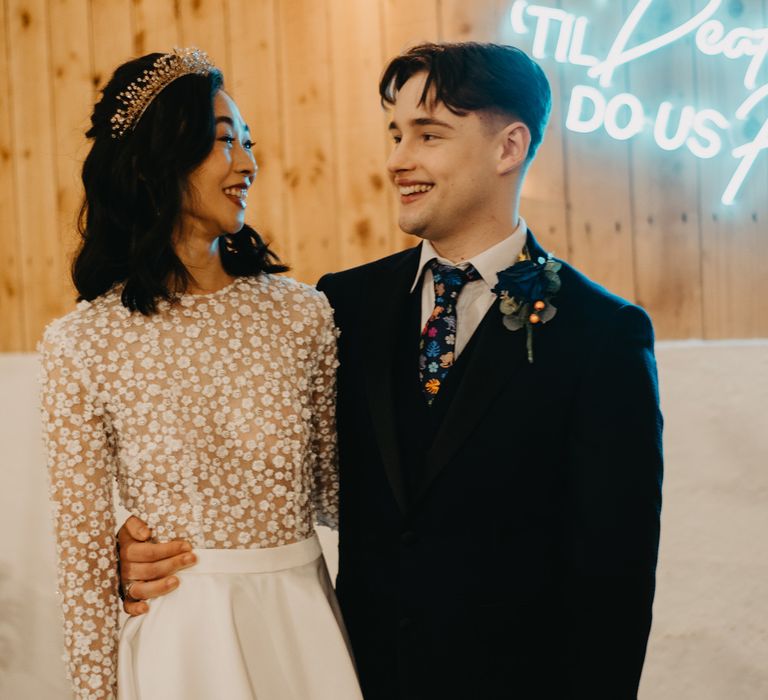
469 77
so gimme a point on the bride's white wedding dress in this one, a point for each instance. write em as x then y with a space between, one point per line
215 416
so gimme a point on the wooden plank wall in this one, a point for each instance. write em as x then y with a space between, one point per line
646 223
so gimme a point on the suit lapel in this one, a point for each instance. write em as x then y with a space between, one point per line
499 355
382 329
534 249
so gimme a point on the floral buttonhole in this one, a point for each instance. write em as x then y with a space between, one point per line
525 290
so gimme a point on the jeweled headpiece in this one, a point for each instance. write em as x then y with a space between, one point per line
140 93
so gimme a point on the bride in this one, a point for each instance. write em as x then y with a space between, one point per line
204 386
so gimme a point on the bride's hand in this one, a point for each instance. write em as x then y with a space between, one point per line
146 569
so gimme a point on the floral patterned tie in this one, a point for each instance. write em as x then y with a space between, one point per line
438 338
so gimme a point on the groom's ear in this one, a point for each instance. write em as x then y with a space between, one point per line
514 143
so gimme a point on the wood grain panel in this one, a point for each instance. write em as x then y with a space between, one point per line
734 238
111 38
255 85
43 259
155 26
363 220
12 290
665 185
406 23
307 104
645 222
72 97
203 24
480 20
598 175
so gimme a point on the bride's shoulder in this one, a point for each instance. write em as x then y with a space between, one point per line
86 320
289 290
304 304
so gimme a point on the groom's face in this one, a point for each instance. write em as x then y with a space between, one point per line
442 164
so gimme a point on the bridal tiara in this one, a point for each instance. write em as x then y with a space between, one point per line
140 93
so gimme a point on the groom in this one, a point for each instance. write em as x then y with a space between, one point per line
499 430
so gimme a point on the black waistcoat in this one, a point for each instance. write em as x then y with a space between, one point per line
418 422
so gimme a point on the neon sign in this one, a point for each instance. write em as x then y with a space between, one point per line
624 116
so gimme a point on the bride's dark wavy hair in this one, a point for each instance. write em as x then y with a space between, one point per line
134 187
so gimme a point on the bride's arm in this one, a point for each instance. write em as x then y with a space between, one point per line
81 473
323 419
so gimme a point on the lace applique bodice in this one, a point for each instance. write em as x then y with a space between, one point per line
216 418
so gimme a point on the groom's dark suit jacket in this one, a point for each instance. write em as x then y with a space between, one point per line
502 543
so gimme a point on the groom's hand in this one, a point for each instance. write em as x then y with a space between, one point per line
146 568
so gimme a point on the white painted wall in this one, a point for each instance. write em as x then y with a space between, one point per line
710 634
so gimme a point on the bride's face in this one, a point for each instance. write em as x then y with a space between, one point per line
217 190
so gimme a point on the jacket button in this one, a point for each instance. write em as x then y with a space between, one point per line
408 537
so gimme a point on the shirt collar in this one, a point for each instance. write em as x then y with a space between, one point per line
488 263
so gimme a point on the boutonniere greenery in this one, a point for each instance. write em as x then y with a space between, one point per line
525 290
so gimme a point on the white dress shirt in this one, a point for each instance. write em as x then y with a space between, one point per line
476 297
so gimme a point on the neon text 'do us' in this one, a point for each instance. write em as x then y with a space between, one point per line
624 115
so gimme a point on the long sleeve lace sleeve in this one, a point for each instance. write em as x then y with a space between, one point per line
324 446
81 472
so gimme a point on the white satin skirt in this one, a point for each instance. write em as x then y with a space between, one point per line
244 624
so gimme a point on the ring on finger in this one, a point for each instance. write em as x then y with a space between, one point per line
127 590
